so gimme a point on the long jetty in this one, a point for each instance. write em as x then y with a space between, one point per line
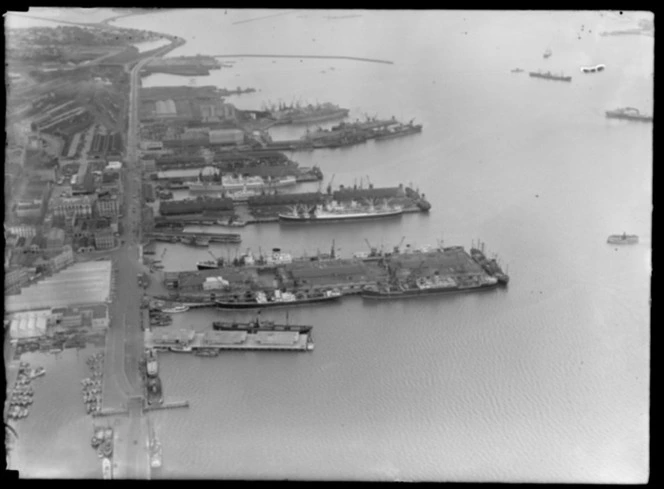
301 56
167 405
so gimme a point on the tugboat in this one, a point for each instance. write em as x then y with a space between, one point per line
628 113
547 54
623 238
278 298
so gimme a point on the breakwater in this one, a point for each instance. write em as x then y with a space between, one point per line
303 56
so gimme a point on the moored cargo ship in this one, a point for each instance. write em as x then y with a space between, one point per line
334 212
550 76
628 113
308 114
216 182
398 131
260 299
424 286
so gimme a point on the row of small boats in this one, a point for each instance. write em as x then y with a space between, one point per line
22 395
102 441
92 386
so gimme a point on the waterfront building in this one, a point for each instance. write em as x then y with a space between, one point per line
29 324
95 316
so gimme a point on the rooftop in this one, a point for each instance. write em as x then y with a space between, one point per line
81 283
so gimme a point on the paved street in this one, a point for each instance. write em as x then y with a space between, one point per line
122 382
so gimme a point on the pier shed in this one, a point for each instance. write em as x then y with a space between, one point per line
277 337
212 338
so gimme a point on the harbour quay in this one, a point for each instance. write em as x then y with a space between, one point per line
323 273
233 336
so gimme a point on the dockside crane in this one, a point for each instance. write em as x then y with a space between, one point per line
329 185
397 248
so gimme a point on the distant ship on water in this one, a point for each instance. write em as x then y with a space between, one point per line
628 113
550 76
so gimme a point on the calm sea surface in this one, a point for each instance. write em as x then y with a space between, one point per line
547 380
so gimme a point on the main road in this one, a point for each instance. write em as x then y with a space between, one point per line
122 382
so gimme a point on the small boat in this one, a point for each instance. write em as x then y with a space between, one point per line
175 309
547 54
592 69
181 348
623 238
232 223
202 241
517 70
38 372
107 468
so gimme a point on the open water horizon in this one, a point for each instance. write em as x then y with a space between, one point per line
544 381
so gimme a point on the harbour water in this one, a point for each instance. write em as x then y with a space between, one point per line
546 381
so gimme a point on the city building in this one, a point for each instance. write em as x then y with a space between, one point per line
104 239
63 259
113 166
81 283
22 230
79 206
55 238
108 204
16 278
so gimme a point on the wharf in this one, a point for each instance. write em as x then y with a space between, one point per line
214 237
110 412
167 405
349 276
189 341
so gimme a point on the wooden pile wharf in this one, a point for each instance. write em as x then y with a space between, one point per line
237 337
349 276
176 236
